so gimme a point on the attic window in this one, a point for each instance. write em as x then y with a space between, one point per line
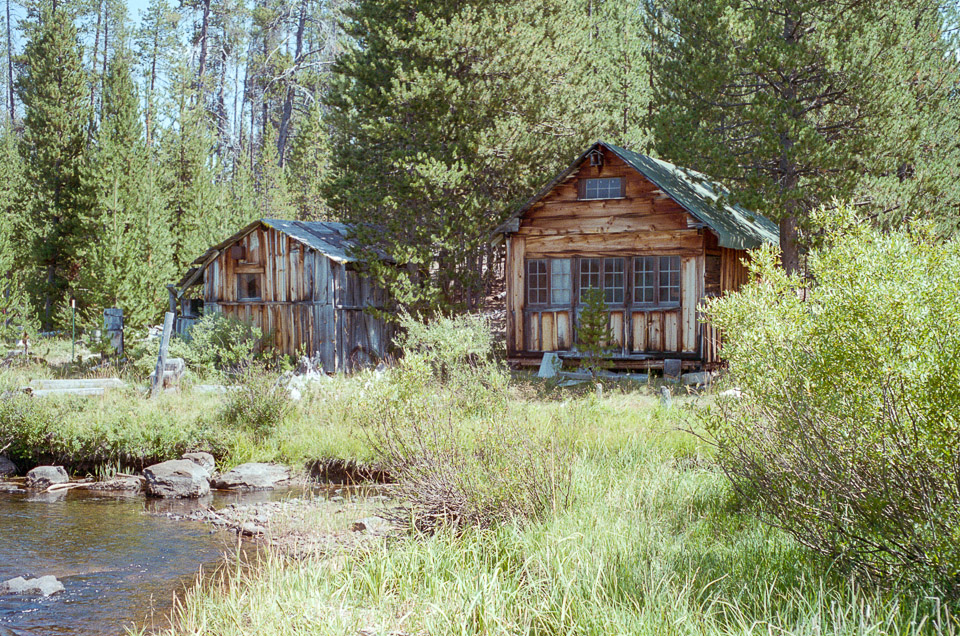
607 188
248 287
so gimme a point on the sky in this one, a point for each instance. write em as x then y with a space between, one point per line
136 7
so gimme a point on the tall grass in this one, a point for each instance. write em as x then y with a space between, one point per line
652 543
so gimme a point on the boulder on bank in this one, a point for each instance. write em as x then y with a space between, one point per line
178 479
46 476
45 585
203 460
253 477
7 467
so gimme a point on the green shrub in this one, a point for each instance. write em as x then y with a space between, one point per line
258 403
217 344
440 424
847 432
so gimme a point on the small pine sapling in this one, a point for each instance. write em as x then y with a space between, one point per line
593 332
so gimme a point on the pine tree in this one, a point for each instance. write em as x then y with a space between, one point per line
788 101
53 89
308 164
447 115
198 204
130 262
16 315
593 332
273 197
156 41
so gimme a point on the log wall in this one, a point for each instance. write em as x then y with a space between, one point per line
643 222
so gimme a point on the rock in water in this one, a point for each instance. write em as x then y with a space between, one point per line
45 585
120 483
46 476
7 467
203 460
253 477
177 478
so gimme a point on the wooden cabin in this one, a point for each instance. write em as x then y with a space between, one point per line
298 283
656 238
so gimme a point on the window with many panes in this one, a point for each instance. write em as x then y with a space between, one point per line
656 280
606 188
613 280
644 280
589 274
669 279
607 274
560 281
548 281
537 281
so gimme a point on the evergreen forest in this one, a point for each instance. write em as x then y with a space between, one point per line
131 143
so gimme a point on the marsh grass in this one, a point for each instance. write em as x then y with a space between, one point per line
651 544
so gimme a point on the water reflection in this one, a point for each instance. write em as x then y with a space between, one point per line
119 566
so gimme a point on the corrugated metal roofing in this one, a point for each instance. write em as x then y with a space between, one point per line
329 238
709 202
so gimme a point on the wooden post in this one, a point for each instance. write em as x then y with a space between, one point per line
113 326
162 356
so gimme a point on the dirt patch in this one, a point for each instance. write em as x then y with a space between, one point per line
347 472
305 526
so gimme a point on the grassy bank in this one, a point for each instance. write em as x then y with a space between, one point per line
652 542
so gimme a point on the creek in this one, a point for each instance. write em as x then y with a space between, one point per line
120 564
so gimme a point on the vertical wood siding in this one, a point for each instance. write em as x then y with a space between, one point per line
309 304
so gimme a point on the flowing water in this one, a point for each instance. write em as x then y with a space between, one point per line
120 566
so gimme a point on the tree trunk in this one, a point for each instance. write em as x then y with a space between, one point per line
96 51
204 25
13 109
789 179
287 113
789 244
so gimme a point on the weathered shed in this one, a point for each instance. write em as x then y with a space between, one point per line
657 239
298 282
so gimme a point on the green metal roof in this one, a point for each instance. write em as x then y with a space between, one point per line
709 202
735 226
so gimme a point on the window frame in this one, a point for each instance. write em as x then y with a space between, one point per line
658 301
545 288
629 289
549 288
584 187
601 275
240 287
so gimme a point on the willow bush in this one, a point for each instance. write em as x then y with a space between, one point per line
441 424
846 434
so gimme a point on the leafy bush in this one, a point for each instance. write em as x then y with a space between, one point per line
258 402
847 431
439 423
123 428
217 344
